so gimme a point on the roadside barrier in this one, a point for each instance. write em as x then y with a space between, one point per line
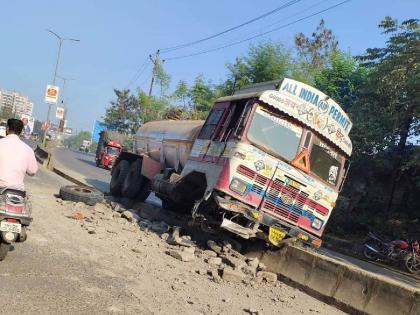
42 155
350 288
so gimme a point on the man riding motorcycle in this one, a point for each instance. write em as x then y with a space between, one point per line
17 159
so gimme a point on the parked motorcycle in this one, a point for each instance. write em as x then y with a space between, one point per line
395 252
15 217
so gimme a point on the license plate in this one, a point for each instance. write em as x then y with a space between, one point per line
10 227
275 236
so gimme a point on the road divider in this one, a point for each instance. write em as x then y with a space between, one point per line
350 288
43 155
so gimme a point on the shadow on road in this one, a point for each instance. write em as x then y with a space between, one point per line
91 163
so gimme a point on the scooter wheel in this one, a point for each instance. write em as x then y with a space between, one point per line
369 254
412 263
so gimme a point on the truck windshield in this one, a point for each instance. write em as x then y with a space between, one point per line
112 150
275 133
326 163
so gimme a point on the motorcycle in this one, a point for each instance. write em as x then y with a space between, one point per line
15 217
394 252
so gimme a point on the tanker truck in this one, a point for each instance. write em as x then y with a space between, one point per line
268 162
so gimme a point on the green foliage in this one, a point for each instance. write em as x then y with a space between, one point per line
201 95
181 93
123 115
76 141
161 77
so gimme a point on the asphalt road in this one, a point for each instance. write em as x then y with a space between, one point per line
83 163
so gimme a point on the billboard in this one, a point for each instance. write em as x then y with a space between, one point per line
28 124
98 126
51 94
59 113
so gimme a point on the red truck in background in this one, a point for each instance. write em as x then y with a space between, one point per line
107 151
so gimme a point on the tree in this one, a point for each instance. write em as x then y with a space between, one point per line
392 89
263 62
314 52
152 108
201 94
124 114
341 79
161 77
181 93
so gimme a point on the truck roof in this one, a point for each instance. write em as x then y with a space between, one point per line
308 105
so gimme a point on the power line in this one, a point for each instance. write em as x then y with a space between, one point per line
259 32
259 35
284 6
138 73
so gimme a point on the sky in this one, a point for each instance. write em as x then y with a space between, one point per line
116 38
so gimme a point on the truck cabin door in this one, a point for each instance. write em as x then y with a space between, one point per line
214 130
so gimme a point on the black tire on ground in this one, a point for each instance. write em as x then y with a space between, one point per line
89 196
4 249
133 181
119 173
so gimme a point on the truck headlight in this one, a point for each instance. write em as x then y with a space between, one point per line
238 186
317 224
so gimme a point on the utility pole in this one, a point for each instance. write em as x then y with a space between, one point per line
156 62
61 40
63 101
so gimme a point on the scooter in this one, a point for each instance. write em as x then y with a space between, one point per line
15 217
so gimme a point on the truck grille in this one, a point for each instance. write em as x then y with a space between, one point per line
258 181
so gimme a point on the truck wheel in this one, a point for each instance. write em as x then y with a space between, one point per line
145 190
119 173
4 249
84 194
134 180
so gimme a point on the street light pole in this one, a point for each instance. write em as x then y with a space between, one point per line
61 40
63 99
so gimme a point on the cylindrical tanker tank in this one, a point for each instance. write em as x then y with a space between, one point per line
168 140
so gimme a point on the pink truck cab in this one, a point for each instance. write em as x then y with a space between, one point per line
268 162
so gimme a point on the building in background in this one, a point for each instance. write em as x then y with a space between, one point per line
15 104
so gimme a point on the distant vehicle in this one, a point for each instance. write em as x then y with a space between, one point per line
85 146
3 126
107 151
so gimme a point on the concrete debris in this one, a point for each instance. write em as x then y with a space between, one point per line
209 253
91 230
261 267
215 261
164 236
235 263
127 215
116 215
269 277
136 250
214 247
253 263
176 239
101 208
232 275
159 227
181 255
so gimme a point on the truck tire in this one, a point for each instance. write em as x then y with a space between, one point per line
119 173
145 190
133 181
89 196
